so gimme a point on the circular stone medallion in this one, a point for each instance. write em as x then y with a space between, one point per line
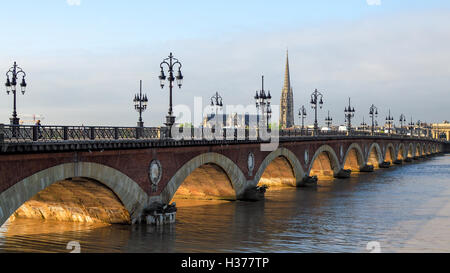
155 171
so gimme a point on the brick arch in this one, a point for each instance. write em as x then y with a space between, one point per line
132 196
334 161
390 147
418 149
379 153
410 150
234 173
296 166
359 154
401 148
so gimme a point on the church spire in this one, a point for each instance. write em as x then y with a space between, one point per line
287 99
287 76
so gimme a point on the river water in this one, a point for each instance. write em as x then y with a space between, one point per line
403 209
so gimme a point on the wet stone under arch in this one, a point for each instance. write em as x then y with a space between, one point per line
75 200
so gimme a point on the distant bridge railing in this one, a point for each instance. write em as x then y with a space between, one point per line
26 133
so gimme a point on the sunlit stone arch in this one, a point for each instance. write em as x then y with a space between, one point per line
234 173
359 155
378 151
295 164
418 150
131 195
334 161
410 152
401 151
389 149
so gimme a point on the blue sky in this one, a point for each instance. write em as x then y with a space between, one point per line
84 61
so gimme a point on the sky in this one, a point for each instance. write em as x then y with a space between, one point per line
84 58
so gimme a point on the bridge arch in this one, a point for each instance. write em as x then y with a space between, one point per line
292 159
389 153
232 171
133 198
401 152
324 158
418 150
410 152
374 155
354 158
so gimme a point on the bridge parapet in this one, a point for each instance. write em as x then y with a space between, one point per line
25 139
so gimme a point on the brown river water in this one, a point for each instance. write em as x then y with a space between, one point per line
403 209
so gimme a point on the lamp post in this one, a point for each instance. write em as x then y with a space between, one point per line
349 114
402 121
389 121
316 100
411 126
263 102
419 126
216 102
364 125
373 112
11 86
171 63
140 104
302 116
328 120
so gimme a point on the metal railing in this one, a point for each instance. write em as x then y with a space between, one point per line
21 133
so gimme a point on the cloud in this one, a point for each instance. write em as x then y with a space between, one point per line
373 2
73 2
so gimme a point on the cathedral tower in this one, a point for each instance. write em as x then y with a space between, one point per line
287 100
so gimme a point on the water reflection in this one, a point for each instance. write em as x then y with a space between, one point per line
404 208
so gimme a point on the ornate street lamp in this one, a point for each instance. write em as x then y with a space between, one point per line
263 102
411 126
302 115
402 121
328 120
316 100
373 112
11 86
349 114
364 125
216 102
171 63
419 127
140 104
389 121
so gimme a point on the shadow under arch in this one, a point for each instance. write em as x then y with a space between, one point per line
232 171
389 153
418 150
286 154
133 198
374 155
401 153
410 152
325 163
354 158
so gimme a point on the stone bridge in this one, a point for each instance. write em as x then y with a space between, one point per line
140 172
